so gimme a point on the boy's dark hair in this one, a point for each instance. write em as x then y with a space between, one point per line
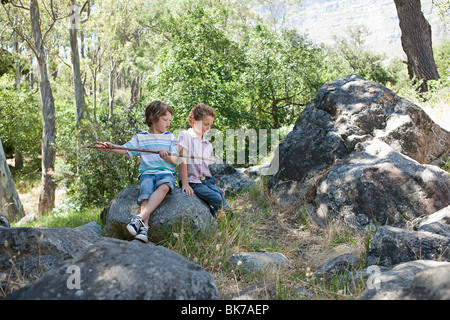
155 110
201 110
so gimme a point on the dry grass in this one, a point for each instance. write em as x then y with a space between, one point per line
287 230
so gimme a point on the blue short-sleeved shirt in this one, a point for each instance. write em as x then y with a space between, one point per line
152 163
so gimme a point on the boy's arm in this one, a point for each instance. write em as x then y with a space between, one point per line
169 157
185 187
108 146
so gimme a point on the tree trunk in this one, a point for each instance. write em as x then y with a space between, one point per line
416 42
111 89
18 164
94 77
80 103
16 57
47 196
134 89
77 83
10 205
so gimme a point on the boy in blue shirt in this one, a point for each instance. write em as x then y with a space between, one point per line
157 170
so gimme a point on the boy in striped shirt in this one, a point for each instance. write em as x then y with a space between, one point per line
157 170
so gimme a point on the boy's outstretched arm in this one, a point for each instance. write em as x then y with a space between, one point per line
108 146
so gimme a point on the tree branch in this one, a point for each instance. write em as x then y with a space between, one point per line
21 6
24 38
88 3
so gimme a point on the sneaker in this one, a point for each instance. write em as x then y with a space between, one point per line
142 234
135 225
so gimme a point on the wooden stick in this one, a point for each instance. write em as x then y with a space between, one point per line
150 151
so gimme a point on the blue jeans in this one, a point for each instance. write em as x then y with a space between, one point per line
211 194
148 183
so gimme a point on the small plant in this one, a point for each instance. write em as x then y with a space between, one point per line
446 164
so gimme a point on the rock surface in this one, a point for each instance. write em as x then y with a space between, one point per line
407 265
174 209
375 182
229 179
119 270
259 261
413 280
338 266
4 222
442 216
391 246
32 251
361 153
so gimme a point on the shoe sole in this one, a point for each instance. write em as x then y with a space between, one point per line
142 238
131 230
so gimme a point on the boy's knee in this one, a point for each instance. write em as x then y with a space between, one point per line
216 200
164 187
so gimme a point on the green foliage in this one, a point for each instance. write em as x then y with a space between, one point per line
94 177
442 59
438 94
444 9
66 215
6 62
199 64
282 74
20 119
261 81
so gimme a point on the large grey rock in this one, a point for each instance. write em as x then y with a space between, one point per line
175 209
120 270
441 216
339 266
437 228
432 284
229 179
4 222
375 143
32 251
92 226
258 261
413 280
391 246
381 184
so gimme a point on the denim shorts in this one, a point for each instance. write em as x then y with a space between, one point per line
149 182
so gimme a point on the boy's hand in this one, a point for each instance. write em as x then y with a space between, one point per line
164 153
188 190
101 146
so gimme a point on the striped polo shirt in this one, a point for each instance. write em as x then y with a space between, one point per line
152 163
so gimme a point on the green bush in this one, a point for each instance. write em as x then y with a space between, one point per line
20 118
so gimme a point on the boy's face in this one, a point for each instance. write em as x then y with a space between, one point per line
163 123
203 126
